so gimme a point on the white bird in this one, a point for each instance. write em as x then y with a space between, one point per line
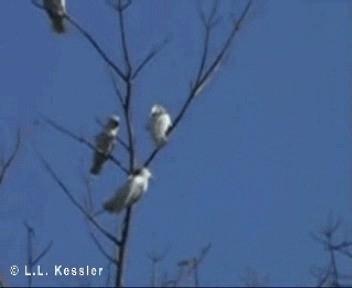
105 143
56 10
159 124
130 192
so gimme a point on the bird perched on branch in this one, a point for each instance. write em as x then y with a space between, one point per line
56 10
105 143
159 124
130 192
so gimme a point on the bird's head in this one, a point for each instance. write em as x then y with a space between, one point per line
157 110
114 121
144 172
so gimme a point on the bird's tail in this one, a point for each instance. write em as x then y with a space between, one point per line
97 164
160 142
95 170
58 24
115 205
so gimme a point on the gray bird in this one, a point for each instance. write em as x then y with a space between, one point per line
105 143
56 10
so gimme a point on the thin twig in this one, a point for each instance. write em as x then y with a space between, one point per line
196 261
331 275
43 253
30 235
102 250
97 47
116 88
31 259
9 161
220 57
155 51
121 8
208 24
155 259
88 203
335 274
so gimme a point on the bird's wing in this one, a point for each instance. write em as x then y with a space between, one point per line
104 143
166 122
161 125
140 186
120 199
63 5
137 189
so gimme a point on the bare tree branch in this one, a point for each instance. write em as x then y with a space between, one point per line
116 88
118 4
204 77
91 40
208 23
31 259
194 262
7 163
130 130
63 187
123 247
95 44
199 85
188 267
43 253
120 7
126 104
331 276
154 52
89 207
30 234
102 250
155 258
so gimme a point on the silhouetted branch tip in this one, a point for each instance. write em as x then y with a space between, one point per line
6 164
102 250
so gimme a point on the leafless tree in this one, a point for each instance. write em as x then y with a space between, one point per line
187 269
335 246
123 79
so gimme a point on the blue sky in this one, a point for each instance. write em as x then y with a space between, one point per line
260 160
